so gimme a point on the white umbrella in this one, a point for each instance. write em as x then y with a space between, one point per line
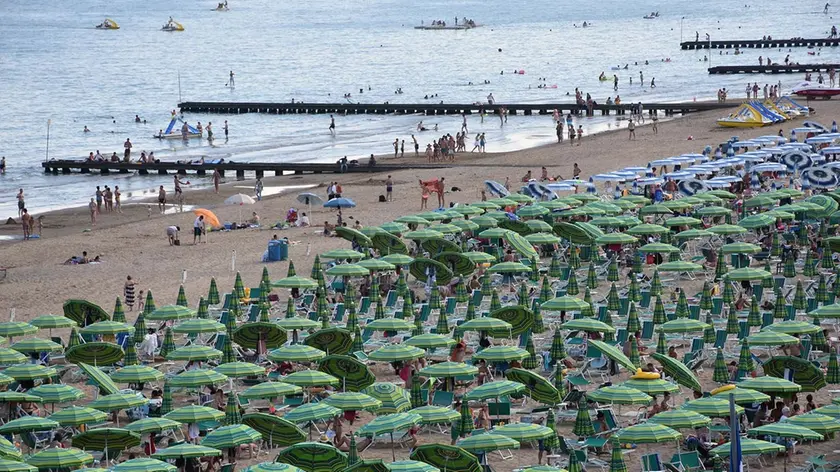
239 199
308 198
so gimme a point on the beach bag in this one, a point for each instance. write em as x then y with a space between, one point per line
382 199
177 242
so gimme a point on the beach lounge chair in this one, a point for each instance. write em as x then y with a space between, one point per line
647 330
652 463
226 301
425 311
498 412
442 398
717 305
364 305
689 461
391 299
477 297
253 313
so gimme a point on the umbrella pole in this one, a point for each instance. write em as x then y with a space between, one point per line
393 452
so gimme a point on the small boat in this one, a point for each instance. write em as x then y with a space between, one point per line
652 16
222 7
748 115
108 24
812 90
446 27
175 130
172 25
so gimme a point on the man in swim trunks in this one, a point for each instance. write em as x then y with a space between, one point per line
162 199
21 202
127 147
332 125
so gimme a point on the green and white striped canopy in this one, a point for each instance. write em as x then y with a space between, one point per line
267 390
312 412
197 378
487 442
198 326
647 433
78 415
231 436
523 431
56 393
186 451
389 424
431 414
495 389
152 425
749 447
619 395
144 464
100 439
194 352
296 353
240 369
681 419
58 458
171 313
396 352
352 401
194 414
28 424
118 401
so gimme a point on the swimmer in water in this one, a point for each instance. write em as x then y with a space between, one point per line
86 130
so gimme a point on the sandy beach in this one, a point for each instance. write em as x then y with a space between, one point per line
134 242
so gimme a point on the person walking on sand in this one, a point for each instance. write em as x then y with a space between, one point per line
128 292
258 188
402 148
477 144
198 228
98 199
26 221
559 129
332 125
217 178
117 195
127 147
396 147
482 143
389 188
92 209
21 202
631 125
580 133
161 199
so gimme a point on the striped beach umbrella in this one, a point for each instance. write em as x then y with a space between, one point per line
150 306
612 271
826 262
416 393
291 312
832 375
352 453
745 362
591 277
818 340
789 270
534 274
799 301
617 459
213 293
77 416
821 293
538 326
728 293
231 436
59 459
558 348
659 316
583 423
574 464
552 442
559 383
634 352
358 341
375 294
232 413
779 311
203 312
706 297
732 321
181 300
168 343
709 330
633 292
530 362
656 284
836 288
402 285
465 424
119 313
290 273
227 349
461 295
522 295
767 282
434 298
379 311
662 344
589 309
613 302
810 268
316 271
754 318
721 374
633 323
574 258
720 267
56 393
554 269
609 336
485 285
775 245
239 287
572 285
637 262
495 302
130 357
682 306
442 325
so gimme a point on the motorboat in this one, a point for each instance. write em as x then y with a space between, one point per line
222 7
172 25
108 24
652 16
812 90
442 25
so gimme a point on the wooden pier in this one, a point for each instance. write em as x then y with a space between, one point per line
774 69
232 108
761 43
58 167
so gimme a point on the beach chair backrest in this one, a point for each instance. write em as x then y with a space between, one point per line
498 409
364 305
609 418
807 345
253 313
717 305
694 312
651 463
339 312
254 293
226 301
391 299
647 329
451 303
442 398
477 297
645 302
696 344
602 311
223 319
563 447
766 319
425 311
743 329
308 299
220 341
720 338
690 460
621 335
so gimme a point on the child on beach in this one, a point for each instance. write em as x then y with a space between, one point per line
141 301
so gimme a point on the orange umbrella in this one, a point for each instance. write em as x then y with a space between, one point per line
209 217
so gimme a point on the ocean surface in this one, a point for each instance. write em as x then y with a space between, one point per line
55 66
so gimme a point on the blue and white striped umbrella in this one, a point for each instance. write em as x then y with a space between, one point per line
796 160
606 178
496 188
743 144
820 177
718 184
662 162
769 167
755 182
752 159
650 181
636 169
679 175
625 174
690 187
560 187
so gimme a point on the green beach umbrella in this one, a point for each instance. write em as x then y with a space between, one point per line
799 301
396 352
583 423
822 424
29 372
619 395
393 399
231 436
612 271
194 352
537 387
652 386
194 414
197 378
613 302
431 414
678 371
77 416
529 362
28 424
745 362
832 375
732 321
647 433
152 425
353 401
240 369
269 390
721 374
495 389
744 396
770 385
296 353
171 313
659 311
572 285
58 321
465 425
198 326
430 341
495 302
168 343
58 458
656 284
310 378
57 393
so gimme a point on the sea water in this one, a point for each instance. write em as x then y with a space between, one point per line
55 66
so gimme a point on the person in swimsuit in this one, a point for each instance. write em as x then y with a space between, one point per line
21 202
332 125
162 198
3 165
117 196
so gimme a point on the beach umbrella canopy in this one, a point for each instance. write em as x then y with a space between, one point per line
231 436
197 378
448 369
7 465
199 326
393 399
152 425
296 322
9 451
331 340
347 270
389 324
194 414
29 372
97 353
28 424
36 345
785 430
827 311
446 457
411 466
16 328
749 447
310 378
240 369
495 389
744 395
822 424
312 456
589 325
682 325
678 371
11 356
268 390
501 354
487 442
389 424
431 414
746 274
275 431
82 312
296 353
647 433
804 374
59 458
793 327
171 313
727 230
142 464
615 238
681 419
353 374
118 401
54 321
564 303
715 407
537 388
8 397
186 451
311 412
56 393
102 439
396 352
194 352
652 386
679 266
613 353
255 335
429 341
520 318
295 281
619 395
77 415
